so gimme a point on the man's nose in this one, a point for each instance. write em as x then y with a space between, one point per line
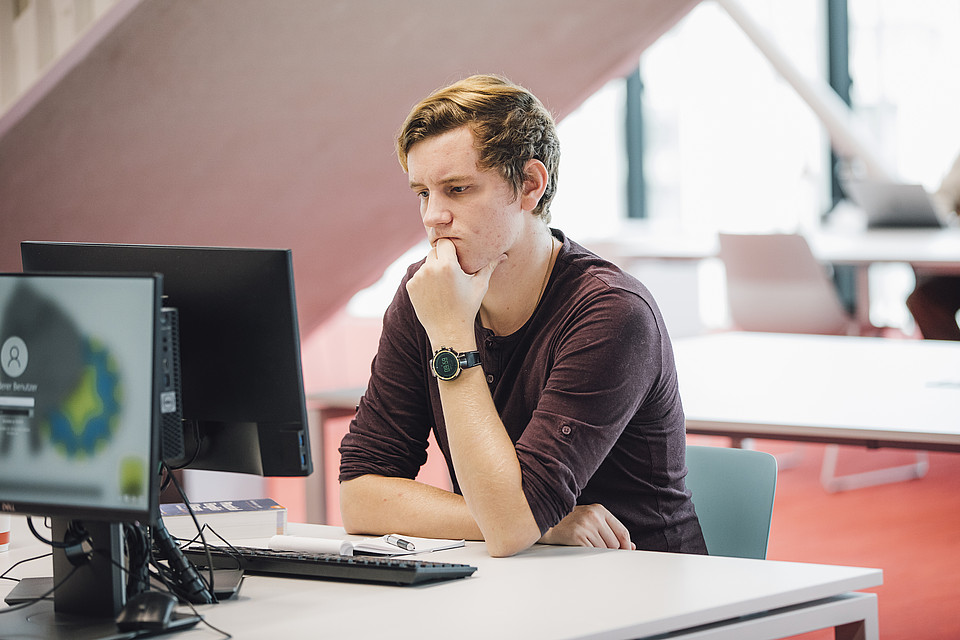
436 212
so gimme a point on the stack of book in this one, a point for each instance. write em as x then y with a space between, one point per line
230 519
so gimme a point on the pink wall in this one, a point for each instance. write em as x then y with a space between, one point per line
337 355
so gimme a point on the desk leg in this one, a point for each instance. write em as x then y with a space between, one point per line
866 629
316 492
834 483
316 489
862 312
851 631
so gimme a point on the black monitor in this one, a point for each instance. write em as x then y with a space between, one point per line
243 405
79 424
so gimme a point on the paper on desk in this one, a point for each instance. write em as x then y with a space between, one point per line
307 544
365 546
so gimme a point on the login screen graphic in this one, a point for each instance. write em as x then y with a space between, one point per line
72 378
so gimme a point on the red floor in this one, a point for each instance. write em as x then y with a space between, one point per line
911 530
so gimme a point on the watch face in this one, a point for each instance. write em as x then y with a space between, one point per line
446 365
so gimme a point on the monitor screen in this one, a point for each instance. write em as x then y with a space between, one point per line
243 405
80 416
78 395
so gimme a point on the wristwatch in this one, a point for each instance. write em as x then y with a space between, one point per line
447 363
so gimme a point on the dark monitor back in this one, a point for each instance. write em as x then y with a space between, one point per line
241 377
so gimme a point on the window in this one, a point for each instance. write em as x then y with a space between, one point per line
903 61
728 143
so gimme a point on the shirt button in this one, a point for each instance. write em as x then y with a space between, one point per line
565 429
490 378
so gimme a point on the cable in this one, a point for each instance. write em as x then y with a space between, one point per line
184 578
174 572
196 523
76 543
138 573
34 601
187 583
36 534
4 576
138 555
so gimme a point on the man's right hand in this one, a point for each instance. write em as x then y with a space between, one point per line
445 298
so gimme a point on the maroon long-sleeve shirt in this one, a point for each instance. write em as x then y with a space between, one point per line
587 390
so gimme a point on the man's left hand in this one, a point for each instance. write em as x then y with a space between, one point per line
590 525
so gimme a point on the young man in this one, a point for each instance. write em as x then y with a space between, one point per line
545 372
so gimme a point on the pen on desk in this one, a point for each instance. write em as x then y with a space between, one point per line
399 542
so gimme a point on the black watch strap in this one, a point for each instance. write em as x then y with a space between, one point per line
447 364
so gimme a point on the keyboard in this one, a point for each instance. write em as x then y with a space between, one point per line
328 566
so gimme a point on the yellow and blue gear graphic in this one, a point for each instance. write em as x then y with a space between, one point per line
89 415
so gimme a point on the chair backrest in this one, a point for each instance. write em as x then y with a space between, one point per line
774 283
733 493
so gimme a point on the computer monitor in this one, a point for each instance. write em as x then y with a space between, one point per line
79 423
243 404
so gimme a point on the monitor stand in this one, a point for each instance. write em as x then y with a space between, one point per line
90 596
227 584
39 620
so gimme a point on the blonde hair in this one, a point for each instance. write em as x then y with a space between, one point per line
510 126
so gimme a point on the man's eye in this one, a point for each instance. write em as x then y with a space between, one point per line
423 194
458 189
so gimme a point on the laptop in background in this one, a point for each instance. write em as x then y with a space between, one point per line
894 204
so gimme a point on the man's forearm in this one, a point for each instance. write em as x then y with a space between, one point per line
377 505
487 466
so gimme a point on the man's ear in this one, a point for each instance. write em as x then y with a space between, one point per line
535 180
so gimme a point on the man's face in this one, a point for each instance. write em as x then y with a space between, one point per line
476 209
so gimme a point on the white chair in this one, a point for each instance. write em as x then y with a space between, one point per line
776 284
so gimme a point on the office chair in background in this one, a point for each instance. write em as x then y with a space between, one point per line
733 492
776 284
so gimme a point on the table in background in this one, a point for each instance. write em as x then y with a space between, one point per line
552 592
935 251
928 251
873 392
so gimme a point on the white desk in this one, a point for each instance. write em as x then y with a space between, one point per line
875 392
927 250
555 592
935 250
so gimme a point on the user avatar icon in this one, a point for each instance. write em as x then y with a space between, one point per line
14 356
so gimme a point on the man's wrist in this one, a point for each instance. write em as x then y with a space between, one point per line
447 364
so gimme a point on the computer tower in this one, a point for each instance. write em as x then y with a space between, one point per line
171 408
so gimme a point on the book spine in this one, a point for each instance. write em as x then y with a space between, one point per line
232 520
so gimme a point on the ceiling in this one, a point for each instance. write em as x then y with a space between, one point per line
251 123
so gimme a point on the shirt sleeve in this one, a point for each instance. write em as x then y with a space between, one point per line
606 371
389 435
